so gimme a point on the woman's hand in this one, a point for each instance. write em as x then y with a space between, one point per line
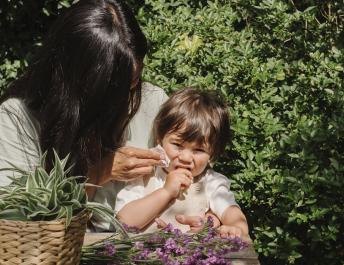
131 162
125 164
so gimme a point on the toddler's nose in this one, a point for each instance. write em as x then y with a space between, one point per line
185 156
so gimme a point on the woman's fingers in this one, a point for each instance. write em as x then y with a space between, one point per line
137 157
135 173
141 171
131 162
141 162
141 153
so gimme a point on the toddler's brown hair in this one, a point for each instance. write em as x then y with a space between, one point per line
198 115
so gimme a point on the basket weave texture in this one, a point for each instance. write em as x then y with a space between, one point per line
42 242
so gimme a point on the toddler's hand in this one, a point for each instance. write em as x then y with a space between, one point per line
177 180
230 231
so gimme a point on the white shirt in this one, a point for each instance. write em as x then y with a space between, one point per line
209 191
19 139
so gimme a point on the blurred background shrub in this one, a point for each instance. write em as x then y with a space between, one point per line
279 64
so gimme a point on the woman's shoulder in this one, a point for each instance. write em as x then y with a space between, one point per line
13 105
15 113
153 93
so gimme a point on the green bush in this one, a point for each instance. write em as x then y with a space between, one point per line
280 66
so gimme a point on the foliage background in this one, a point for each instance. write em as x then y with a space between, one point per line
279 63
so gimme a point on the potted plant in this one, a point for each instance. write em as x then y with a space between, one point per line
43 216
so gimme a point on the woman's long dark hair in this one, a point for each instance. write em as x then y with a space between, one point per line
84 84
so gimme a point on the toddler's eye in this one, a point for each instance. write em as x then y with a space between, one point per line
176 144
200 150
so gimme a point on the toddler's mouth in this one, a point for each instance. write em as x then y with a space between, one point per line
183 166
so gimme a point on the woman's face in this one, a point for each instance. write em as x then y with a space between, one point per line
189 155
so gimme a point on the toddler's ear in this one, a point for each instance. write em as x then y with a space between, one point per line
211 163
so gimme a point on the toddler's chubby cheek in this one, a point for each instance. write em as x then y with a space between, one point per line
165 163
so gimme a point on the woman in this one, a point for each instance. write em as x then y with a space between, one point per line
80 91
78 95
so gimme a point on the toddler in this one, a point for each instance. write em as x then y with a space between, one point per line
192 127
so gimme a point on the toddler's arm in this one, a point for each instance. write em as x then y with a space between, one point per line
142 212
233 222
223 204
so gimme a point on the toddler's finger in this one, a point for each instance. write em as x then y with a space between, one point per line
185 172
192 221
160 223
238 232
185 181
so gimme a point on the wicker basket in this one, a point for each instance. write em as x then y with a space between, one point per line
42 242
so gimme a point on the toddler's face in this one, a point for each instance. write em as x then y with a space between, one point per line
189 155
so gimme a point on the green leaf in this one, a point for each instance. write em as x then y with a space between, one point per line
280 76
108 214
334 163
58 168
13 214
310 8
294 155
69 214
53 199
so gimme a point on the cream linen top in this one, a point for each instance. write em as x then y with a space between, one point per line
19 138
209 191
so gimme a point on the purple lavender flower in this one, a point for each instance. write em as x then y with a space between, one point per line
162 255
238 244
170 244
216 260
172 247
172 262
210 221
180 250
208 238
197 254
211 252
212 232
186 240
169 228
155 239
190 260
110 249
138 245
177 232
143 255
159 252
131 229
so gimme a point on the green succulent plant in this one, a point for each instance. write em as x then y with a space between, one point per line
43 196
